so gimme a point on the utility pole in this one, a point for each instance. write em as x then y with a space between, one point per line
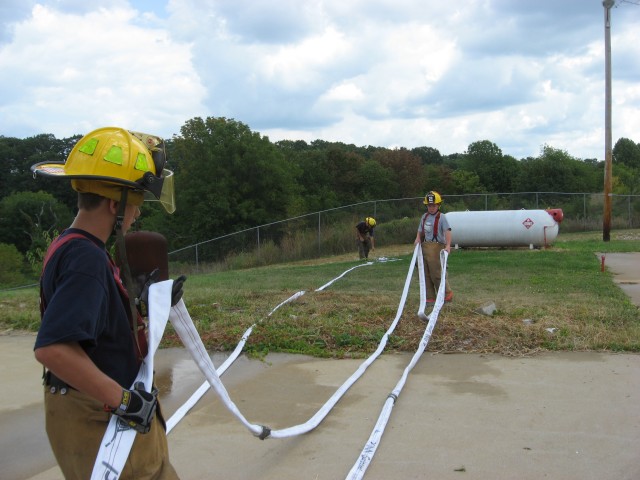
608 156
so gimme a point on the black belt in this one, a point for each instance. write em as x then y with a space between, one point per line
55 384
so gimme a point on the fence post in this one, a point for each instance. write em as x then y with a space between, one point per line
584 212
319 235
197 259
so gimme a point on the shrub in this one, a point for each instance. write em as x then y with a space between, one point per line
11 264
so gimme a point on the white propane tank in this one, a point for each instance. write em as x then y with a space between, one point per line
504 228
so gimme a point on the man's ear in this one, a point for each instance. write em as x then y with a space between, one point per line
113 206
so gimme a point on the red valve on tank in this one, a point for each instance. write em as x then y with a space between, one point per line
556 213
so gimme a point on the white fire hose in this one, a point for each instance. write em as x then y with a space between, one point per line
197 395
118 439
361 465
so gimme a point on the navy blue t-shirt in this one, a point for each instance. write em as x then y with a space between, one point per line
363 228
84 305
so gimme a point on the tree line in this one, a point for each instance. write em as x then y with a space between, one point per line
228 178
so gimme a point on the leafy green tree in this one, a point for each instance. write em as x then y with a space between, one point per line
314 179
229 178
407 171
377 181
626 180
11 265
439 178
344 170
626 167
463 181
455 161
24 216
333 173
428 155
292 145
35 256
557 171
495 170
17 156
627 152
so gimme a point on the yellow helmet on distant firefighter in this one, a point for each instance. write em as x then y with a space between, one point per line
109 159
370 221
432 198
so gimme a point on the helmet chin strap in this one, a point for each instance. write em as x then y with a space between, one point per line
122 205
124 262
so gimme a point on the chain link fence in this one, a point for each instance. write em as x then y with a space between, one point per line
332 231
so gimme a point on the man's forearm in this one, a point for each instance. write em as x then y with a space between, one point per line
70 363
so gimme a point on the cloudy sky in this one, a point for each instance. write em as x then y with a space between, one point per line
393 73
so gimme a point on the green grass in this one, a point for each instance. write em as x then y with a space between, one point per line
560 288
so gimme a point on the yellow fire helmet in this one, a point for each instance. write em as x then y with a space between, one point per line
432 198
110 158
370 221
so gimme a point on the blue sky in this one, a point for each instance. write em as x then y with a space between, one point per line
394 73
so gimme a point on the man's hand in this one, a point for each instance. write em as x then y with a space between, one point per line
142 301
137 407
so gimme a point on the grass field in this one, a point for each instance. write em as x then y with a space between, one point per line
559 288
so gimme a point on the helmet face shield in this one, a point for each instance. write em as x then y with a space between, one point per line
166 194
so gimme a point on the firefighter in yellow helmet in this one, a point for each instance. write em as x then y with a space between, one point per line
434 235
364 237
91 340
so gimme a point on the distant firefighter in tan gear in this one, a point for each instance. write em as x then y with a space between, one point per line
434 235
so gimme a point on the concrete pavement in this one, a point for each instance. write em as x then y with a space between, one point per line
557 416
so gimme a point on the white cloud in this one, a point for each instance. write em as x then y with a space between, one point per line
370 72
345 92
298 66
65 71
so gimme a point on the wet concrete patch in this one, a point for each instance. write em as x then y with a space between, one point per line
555 416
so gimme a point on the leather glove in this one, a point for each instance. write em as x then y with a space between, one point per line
177 289
142 302
137 407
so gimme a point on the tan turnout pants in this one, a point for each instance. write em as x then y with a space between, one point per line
364 247
433 270
75 425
